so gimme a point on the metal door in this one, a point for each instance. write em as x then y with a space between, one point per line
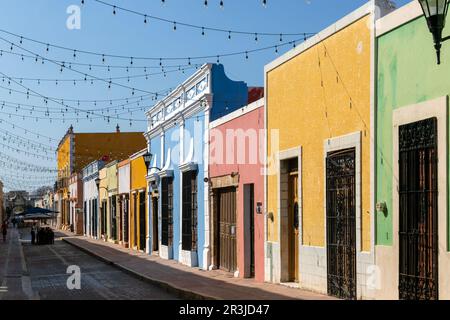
341 224
418 278
227 229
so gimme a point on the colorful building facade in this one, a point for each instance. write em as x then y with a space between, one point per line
412 252
77 150
237 192
178 139
123 170
138 202
320 137
91 214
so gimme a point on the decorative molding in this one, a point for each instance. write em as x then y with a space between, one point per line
225 181
166 174
238 113
191 166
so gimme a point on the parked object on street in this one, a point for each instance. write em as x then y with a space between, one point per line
45 236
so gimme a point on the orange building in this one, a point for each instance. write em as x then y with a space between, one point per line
138 202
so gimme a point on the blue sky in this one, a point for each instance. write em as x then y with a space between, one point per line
126 34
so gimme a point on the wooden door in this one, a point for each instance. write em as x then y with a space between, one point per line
227 255
293 227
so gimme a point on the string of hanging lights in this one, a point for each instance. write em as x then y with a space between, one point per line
19 162
205 3
76 52
175 24
27 131
31 108
110 83
16 140
91 66
90 80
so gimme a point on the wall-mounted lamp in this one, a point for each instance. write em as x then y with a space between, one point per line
382 207
435 12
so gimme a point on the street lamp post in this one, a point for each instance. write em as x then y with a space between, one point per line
435 12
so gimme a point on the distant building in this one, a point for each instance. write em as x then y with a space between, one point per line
77 150
16 202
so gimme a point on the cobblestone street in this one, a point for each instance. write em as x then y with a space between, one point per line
39 272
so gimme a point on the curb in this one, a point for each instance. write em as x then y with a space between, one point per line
181 293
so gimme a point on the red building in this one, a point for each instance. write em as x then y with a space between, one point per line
237 190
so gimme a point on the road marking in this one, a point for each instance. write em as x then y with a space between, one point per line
89 279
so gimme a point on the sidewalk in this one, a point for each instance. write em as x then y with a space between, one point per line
189 283
15 283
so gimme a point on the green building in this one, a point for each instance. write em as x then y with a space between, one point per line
412 218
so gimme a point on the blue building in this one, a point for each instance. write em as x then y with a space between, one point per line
178 139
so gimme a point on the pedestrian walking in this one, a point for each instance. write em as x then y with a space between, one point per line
33 233
4 231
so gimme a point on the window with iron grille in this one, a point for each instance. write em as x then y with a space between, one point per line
189 220
167 211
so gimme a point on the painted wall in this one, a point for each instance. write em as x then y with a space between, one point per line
410 85
250 172
172 147
208 94
90 193
63 158
138 172
407 74
124 177
117 146
308 102
229 95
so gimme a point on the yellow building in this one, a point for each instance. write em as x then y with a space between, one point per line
108 202
138 202
76 150
319 183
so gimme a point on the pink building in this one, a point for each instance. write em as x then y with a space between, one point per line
237 191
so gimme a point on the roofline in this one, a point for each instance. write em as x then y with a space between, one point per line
238 113
123 163
399 17
341 24
138 154
172 95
